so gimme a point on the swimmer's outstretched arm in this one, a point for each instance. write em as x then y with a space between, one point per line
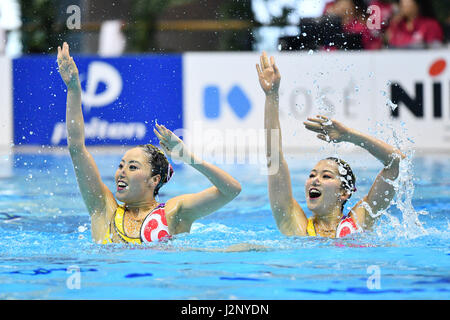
183 210
289 216
96 195
382 191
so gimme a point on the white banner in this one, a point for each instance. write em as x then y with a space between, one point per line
6 123
6 97
400 96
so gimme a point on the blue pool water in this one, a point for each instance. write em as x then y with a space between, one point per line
45 236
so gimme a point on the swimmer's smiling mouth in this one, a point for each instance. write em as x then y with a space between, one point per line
314 193
121 185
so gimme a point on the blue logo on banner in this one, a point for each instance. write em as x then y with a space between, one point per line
121 99
236 98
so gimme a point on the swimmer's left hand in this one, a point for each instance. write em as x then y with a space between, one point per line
328 130
171 144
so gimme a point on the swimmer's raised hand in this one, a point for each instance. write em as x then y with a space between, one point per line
327 129
67 67
268 74
171 144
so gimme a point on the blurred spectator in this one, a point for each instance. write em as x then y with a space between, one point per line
415 26
353 16
387 10
328 8
10 23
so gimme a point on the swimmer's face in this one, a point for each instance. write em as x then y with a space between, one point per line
133 181
323 188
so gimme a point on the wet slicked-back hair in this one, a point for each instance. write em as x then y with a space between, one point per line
159 164
348 179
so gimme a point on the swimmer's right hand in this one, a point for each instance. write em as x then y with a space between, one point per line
172 145
67 67
268 74
328 130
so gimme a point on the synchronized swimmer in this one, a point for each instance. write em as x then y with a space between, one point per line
144 169
331 182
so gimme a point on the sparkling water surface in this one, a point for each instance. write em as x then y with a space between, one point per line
45 236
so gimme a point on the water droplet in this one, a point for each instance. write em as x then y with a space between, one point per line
391 105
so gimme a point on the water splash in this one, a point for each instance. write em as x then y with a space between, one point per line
409 226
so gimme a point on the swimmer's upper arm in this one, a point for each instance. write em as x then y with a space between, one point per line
96 195
183 210
295 221
289 216
379 197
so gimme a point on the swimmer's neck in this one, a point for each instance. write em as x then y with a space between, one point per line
328 222
140 209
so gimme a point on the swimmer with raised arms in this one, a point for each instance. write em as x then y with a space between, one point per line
331 182
142 171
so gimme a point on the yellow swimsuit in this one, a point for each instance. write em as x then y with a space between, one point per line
153 228
345 227
310 228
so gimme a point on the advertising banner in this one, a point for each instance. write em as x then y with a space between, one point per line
121 99
215 101
401 97
416 85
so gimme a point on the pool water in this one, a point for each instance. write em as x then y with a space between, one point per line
46 251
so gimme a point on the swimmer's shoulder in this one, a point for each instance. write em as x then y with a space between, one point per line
101 218
176 223
359 213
